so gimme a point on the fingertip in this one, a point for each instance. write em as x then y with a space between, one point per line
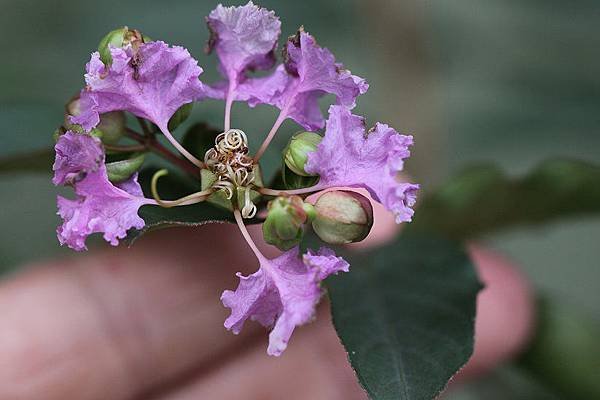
505 311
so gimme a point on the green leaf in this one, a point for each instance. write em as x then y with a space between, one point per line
180 116
199 138
121 170
36 161
405 315
292 180
483 199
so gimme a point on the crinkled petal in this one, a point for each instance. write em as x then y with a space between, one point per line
350 156
282 294
308 73
76 156
325 262
151 82
244 38
99 206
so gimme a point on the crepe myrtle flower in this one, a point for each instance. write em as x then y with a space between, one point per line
157 83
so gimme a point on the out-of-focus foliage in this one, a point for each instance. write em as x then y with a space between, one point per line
565 354
484 199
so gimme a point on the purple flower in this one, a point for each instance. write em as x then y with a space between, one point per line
282 294
151 82
99 205
348 155
244 39
307 73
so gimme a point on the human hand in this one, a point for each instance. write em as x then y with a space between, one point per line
146 323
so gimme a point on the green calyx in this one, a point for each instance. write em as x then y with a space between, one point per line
284 226
342 217
119 38
296 153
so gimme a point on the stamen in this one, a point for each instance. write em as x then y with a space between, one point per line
249 209
233 168
184 201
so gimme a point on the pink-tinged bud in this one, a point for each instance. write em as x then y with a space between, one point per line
285 221
343 217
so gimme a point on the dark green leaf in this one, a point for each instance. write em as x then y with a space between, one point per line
199 138
180 116
406 316
295 181
37 161
482 199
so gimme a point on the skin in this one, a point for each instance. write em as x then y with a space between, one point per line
146 323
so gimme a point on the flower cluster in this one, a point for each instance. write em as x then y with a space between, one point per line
157 83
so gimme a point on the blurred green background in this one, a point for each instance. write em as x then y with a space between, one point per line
511 81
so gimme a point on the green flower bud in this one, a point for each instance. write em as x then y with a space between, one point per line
122 170
343 217
296 152
180 116
112 124
284 224
119 38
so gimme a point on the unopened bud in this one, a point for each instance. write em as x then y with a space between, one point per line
284 224
296 152
112 124
343 217
119 38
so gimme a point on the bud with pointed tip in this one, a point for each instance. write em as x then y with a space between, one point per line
296 152
283 227
343 217
118 38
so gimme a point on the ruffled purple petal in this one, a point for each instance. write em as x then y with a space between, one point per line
348 155
76 156
99 206
308 73
244 39
151 82
282 294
